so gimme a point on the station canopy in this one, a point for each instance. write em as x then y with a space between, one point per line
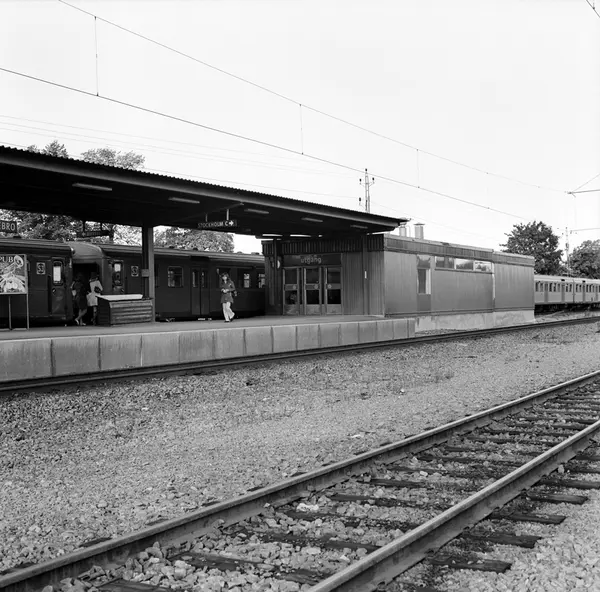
91 192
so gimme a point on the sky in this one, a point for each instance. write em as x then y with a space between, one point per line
472 115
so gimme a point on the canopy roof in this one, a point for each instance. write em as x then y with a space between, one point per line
50 185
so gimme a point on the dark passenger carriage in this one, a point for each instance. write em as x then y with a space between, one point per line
186 281
49 279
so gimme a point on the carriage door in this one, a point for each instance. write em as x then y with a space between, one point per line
312 290
58 296
333 290
196 295
292 295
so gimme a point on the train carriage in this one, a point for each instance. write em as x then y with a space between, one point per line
49 278
186 282
560 292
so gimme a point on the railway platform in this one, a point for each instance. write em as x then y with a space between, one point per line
62 351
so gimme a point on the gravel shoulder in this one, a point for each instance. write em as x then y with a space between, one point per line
106 460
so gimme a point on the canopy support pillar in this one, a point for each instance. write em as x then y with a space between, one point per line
148 284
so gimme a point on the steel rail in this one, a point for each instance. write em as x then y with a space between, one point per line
175 532
191 367
396 557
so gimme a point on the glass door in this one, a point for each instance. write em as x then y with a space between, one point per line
292 295
333 290
312 290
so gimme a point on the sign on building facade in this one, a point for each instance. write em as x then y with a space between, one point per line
8 226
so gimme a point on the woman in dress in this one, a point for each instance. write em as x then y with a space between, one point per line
92 297
80 289
227 291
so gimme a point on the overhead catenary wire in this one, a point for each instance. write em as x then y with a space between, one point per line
303 105
593 7
163 149
248 139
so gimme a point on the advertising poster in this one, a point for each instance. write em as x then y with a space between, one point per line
13 274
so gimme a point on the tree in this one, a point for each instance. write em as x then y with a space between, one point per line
109 156
54 148
538 240
585 260
203 240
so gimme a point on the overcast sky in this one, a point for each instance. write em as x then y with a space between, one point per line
510 87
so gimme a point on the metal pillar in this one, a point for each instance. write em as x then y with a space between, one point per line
148 266
366 303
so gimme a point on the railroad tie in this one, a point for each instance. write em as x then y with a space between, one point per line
475 563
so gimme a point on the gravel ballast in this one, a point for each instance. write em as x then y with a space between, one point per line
106 460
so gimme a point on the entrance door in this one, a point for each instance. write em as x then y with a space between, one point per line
58 298
292 295
333 290
313 295
196 292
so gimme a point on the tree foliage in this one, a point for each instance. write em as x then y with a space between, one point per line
585 260
109 156
537 240
203 240
54 148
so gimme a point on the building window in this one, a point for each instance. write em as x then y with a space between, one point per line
261 280
175 277
444 262
464 264
423 281
485 266
57 272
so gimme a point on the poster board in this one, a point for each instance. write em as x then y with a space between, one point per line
13 280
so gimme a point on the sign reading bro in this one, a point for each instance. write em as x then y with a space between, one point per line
8 226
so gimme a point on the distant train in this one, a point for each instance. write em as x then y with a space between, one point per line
186 281
560 293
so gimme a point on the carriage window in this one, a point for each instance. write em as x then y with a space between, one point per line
57 272
261 280
203 279
423 281
156 279
246 280
195 278
117 273
175 277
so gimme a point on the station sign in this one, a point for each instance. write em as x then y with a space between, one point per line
216 224
312 260
13 274
8 226
93 233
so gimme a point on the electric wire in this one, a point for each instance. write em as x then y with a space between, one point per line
584 184
592 6
112 142
308 107
250 139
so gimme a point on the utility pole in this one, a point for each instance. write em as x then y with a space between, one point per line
567 249
368 182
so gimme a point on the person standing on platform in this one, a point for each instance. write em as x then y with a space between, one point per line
80 289
227 293
92 297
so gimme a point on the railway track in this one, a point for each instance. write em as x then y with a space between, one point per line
357 523
194 367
